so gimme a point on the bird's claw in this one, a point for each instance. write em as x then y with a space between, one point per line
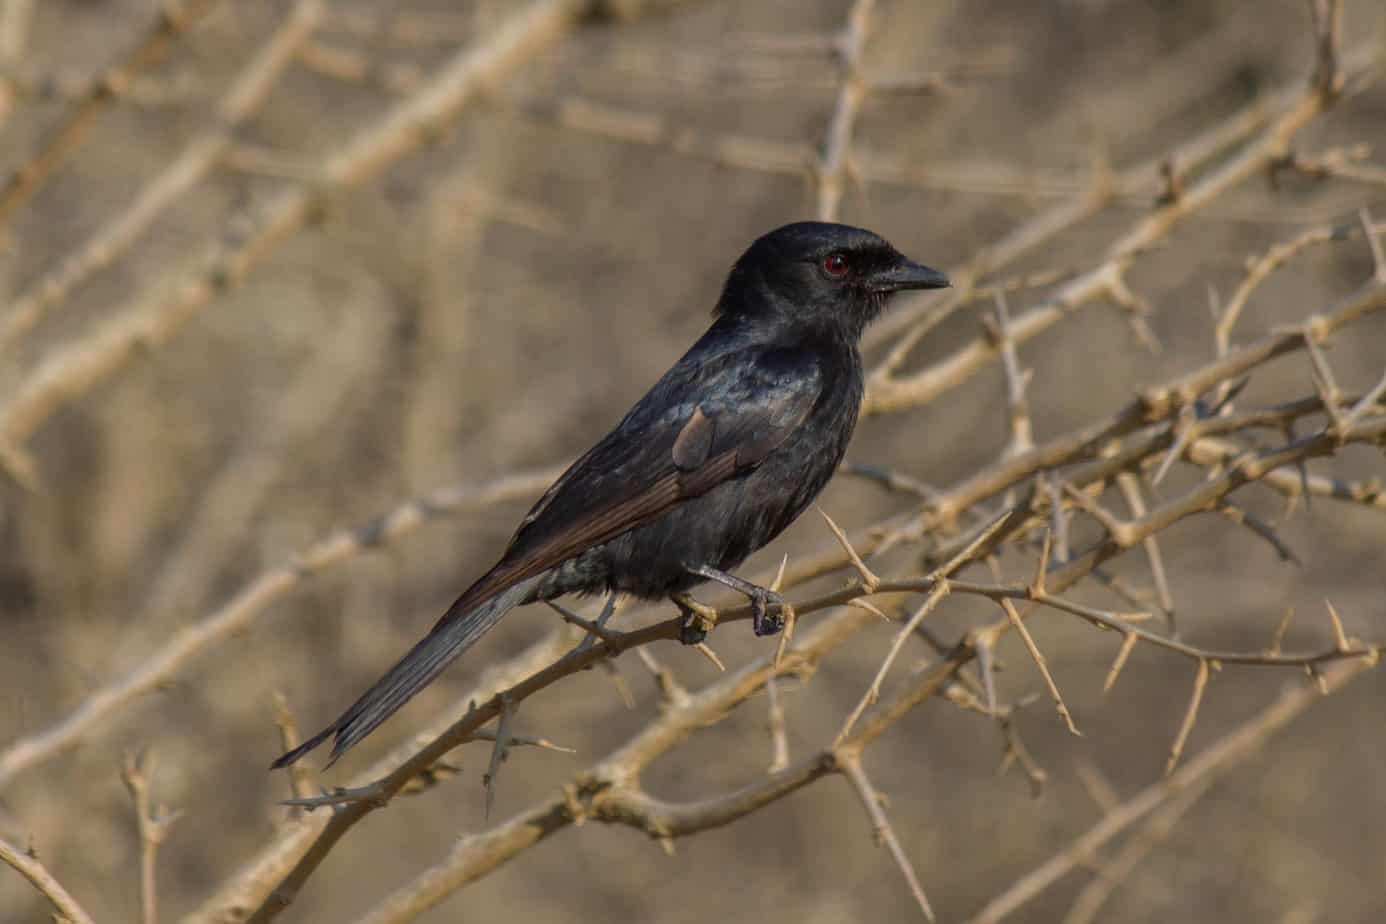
764 622
698 620
692 631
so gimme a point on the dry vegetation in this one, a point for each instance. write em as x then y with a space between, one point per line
1113 523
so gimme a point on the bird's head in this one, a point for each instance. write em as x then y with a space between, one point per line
821 276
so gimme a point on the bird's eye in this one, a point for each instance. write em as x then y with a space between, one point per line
835 264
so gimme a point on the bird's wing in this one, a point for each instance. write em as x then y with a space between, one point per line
699 426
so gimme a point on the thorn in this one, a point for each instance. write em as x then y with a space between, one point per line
1059 527
1124 652
1264 530
1019 625
779 740
703 649
870 607
778 582
873 693
372 793
986 665
1184 431
1190 716
498 752
1119 532
1373 242
543 744
869 578
594 630
1366 402
1340 639
1324 383
791 619
1281 628
671 691
622 688
1042 566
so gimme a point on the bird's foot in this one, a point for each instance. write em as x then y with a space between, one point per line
762 598
698 619
763 621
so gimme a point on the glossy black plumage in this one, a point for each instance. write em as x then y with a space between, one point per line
722 453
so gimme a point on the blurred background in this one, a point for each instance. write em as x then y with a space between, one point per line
493 303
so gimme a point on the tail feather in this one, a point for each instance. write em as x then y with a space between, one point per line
453 635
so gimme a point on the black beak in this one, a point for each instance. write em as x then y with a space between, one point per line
909 275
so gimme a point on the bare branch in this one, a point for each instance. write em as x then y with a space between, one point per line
107 245
302 779
245 607
1219 757
27 864
174 18
153 321
153 828
885 834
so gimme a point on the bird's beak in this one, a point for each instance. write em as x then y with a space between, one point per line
909 275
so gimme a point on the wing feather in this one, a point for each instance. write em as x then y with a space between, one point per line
702 424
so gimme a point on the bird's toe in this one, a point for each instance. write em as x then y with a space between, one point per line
763 621
692 632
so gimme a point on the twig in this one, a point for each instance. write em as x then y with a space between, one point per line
886 392
245 607
243 100
172 20
1017 380
880 824
1219 757
672 693
153 828
873 692
302 779
1158 827
27 864
1259 269
831 168
153 321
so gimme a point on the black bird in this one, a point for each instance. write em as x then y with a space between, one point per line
723 453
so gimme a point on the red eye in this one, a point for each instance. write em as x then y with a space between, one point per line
835 264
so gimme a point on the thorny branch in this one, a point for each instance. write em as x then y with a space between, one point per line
1220 757
152 321
1190 421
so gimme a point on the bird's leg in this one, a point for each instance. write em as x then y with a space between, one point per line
608 608
594 630
698 619
762 620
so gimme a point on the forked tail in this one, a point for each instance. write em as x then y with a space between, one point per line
453 635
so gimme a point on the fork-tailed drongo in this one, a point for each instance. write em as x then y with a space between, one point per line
723 453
